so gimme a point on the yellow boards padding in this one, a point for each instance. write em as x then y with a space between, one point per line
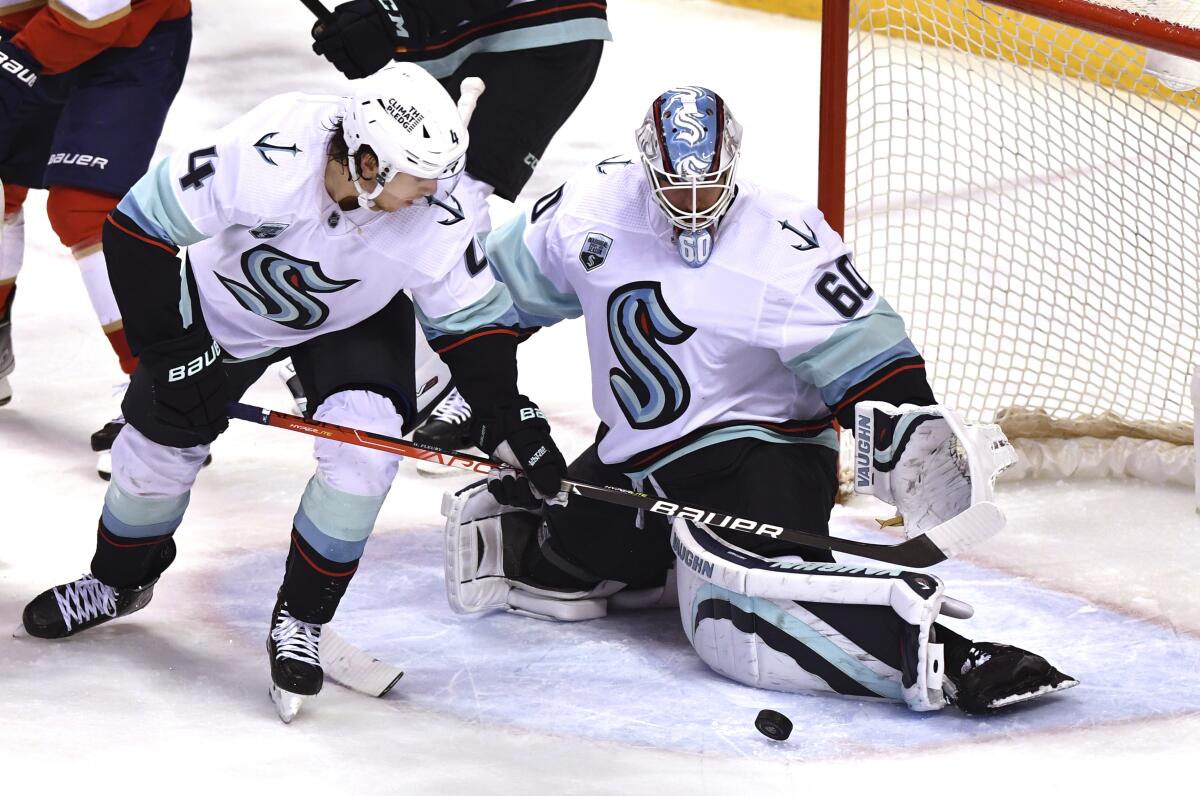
993 32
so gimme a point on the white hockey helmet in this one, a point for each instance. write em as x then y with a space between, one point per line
411 124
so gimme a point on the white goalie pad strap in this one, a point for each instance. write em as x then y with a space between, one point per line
787 625
934 467
474 562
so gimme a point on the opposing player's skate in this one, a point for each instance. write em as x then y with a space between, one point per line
993 676
84 603
296 672
448 427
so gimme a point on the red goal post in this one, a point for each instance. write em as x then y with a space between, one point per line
1020 185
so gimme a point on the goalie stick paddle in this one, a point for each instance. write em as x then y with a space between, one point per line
977 523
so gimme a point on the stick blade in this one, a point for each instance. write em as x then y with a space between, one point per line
349 666
980 522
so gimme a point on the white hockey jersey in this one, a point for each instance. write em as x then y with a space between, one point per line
276 262
762 341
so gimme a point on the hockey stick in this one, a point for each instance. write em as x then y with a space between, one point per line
977 523
317 8
355 669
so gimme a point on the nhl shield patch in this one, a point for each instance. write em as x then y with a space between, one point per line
595 251
269 230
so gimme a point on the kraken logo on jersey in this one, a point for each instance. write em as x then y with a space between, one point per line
282 288
651 390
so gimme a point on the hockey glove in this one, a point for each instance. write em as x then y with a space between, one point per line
519 436
190 388
19 73
361 37
926 461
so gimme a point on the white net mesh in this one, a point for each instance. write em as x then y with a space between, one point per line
1028 198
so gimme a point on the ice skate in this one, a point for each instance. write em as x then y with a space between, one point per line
448 428
84 603
994 676
296 672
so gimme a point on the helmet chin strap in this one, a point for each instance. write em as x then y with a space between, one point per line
366 198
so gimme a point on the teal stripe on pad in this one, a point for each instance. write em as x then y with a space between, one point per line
334 522
810 637
140 517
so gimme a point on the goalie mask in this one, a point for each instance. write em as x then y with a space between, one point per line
689 145
411 124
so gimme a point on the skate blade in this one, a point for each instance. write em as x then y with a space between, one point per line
996 704
21 632
5 391
287 704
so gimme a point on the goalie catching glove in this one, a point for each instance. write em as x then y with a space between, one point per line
927 462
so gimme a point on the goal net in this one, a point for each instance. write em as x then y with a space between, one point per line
1021 180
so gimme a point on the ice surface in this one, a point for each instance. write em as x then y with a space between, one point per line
1101 577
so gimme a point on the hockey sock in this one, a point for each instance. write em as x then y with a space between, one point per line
78 218
313 585
8 290
120 346
126 562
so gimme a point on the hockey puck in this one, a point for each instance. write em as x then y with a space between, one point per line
773 724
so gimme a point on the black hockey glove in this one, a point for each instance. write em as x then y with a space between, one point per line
190 388
361 37
519 435
19 73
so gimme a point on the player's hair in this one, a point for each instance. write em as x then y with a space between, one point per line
339 152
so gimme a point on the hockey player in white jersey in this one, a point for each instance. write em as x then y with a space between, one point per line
306 220
728 331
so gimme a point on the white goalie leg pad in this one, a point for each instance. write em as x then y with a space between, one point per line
475 576
934 467
788 625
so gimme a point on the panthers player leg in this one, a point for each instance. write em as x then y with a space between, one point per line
12 233
87 134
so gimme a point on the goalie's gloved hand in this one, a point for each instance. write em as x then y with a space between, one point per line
19 73
518 435
926 461
189 384
361 37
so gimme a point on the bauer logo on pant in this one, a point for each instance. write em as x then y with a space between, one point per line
594 251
